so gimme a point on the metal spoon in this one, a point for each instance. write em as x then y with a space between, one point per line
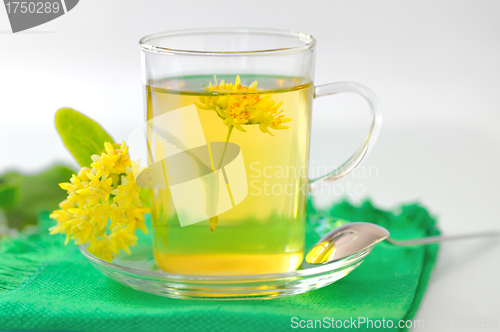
351 238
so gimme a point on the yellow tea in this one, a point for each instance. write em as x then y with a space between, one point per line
265 232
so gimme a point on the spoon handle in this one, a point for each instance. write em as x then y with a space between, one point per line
436 239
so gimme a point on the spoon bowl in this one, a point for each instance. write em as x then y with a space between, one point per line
345 241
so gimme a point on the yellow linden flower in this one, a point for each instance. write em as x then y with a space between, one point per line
267 115
97 189
247 108
128 192
100 209
130 217
72 186
238 105
72 222
120 156
103 164
122 238
100 215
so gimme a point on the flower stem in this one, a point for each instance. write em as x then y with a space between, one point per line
230 129
215 220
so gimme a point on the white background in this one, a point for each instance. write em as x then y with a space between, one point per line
434 64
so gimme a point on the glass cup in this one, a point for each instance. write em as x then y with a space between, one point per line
227 140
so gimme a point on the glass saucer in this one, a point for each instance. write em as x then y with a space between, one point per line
139 271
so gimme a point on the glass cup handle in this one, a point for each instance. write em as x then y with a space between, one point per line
357 157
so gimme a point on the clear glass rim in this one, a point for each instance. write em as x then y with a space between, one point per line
308 41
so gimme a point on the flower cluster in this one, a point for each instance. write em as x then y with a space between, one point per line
240 105
103 207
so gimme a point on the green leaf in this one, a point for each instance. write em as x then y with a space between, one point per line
38 192
10 194
81 135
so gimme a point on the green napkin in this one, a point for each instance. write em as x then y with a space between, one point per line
47 286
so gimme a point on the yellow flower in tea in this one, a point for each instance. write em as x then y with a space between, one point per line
240 105
103 207
267 115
